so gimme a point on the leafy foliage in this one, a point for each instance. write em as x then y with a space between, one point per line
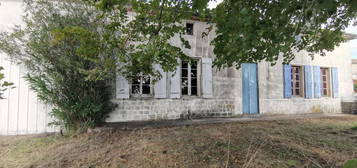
4 85
148 34
256 30
247 31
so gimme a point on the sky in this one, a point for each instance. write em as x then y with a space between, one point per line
350 29
213 4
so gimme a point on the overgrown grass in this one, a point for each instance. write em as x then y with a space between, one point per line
328 142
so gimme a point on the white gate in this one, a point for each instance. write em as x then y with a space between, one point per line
20 111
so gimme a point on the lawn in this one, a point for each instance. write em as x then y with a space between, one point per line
325 142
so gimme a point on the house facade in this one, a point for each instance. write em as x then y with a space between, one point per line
196 89
199 90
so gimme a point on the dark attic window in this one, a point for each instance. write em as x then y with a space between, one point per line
189 28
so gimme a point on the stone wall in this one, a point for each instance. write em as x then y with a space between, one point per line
227 88
158 109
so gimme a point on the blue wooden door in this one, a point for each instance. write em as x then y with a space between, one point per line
250 89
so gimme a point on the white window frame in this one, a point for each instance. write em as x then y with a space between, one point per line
198 69
328 82
301 81
141 95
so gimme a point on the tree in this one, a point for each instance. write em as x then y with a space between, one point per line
148 34
269 29
257 30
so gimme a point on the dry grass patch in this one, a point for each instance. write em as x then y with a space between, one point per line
327 142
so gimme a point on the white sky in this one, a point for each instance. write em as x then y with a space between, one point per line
213 4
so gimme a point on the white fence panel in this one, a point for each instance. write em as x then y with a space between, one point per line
20 111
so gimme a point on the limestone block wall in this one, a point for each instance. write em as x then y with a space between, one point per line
158 109
271 87
223 104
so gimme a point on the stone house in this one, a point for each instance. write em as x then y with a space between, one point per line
199 90
195 90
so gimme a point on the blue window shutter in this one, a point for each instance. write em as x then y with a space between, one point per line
287 81
250 88
335 91
253 88
308 82
317 81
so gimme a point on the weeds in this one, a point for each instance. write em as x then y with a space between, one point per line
300 143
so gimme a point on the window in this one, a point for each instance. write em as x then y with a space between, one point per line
296 81
189 78
189 28
141 85
325 77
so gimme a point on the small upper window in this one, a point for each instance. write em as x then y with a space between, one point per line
141 85
296 81
325 78
189 28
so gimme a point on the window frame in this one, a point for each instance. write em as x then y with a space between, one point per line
328 82
141 95
189 87
301 81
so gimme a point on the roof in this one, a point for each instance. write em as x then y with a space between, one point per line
354 61
350 36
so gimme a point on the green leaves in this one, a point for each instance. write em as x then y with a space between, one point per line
253 31
152 34
148 37
247 31
4 85
87 43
